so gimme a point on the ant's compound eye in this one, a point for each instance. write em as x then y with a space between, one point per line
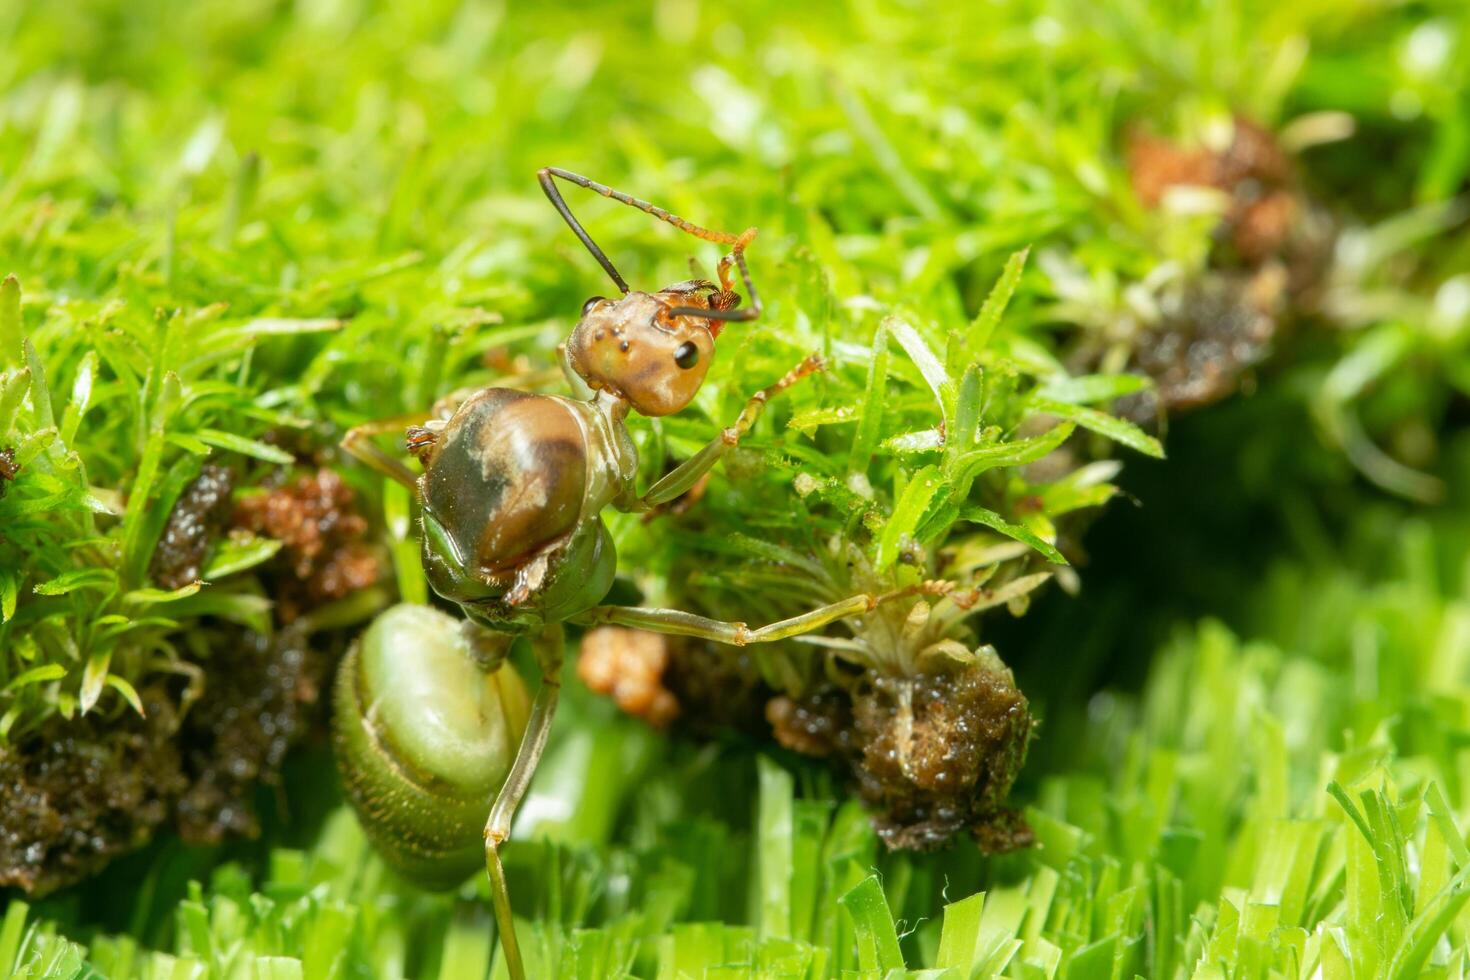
594 301
686 355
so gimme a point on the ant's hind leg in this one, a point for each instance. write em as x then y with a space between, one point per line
676 622
549 648
358 442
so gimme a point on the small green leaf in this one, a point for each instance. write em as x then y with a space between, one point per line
910 509
808 420
924 359
244 446
10 330
865 440
40 391
1120 431
1092 388
232 556
94 675
81 397
985 322
9 586
79 578
148 597
966 466
12 393
36 675
129 693
995 522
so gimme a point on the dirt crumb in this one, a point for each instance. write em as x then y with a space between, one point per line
817 724
75 794
8 468
1252 169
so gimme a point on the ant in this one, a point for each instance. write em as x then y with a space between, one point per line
514 483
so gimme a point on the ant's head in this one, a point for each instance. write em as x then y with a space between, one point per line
652 349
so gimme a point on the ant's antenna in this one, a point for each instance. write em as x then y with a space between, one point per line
738 242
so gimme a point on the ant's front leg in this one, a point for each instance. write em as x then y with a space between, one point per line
676 622
687 473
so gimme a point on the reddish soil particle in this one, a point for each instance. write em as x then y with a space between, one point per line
628 666
324 555
194 523
819 724
1253 170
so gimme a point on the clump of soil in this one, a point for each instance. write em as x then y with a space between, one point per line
940 753
718 688
325 555
1273 245
196 520
932 755
1253 170
259 700
1209 332
78 793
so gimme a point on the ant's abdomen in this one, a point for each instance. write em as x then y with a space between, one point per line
507 477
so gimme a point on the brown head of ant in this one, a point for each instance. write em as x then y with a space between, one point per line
652 349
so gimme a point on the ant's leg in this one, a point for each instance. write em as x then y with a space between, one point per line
675 622
687 473
358 442
549 648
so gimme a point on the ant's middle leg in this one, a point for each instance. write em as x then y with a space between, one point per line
687 473
549 647
676 622
358 442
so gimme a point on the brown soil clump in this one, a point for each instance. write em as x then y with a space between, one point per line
932 755
939 753
259 700
324 554
78 793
